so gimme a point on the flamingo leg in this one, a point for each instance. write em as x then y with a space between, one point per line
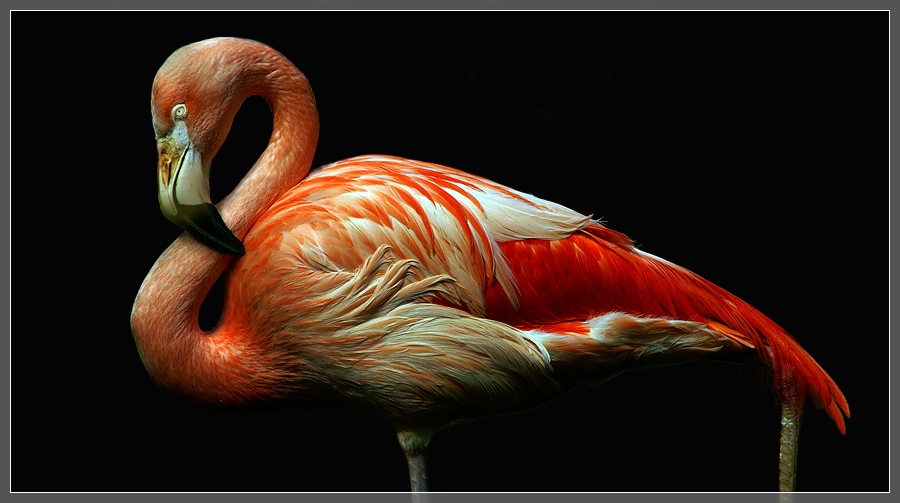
414 444
791 415
418 476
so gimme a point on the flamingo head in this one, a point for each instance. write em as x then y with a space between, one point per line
194 100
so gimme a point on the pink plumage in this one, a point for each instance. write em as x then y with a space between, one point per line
418 292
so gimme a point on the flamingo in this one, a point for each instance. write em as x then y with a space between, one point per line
420 293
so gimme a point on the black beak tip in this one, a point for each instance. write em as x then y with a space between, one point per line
230 245
205 223
237 250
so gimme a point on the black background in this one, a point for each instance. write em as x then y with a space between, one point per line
744 146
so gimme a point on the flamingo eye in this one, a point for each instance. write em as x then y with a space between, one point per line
179 111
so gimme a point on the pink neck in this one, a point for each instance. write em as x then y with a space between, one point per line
197 366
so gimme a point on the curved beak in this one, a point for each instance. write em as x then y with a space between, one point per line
184 192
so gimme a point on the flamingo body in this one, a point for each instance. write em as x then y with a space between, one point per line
418 292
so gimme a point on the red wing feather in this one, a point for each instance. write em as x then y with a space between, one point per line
597 271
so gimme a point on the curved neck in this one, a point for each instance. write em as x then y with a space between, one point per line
206 367
289 155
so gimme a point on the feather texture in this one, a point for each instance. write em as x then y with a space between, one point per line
526 262
418 292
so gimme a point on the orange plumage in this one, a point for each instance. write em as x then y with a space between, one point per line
418 292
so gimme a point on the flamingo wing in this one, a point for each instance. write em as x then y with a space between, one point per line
571 285
594 303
